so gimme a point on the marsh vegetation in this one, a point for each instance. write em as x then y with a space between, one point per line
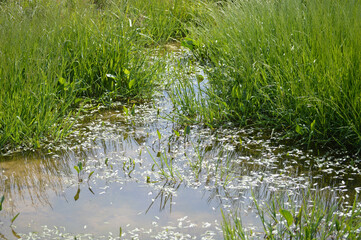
180 119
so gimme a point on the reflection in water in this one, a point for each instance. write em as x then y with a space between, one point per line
46 190
115 149
165 196
29 177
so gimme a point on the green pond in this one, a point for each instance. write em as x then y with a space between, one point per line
145 176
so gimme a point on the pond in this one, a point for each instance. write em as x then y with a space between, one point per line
144 176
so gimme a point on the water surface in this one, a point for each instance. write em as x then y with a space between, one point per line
204 172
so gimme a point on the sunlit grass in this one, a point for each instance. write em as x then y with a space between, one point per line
291 65
56 54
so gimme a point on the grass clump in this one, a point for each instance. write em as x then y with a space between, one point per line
54 54
292 65
162 20
313 219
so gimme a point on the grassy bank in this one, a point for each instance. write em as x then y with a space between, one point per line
290 65
54 54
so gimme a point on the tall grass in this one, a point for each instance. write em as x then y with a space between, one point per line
162 20
53 54
293 65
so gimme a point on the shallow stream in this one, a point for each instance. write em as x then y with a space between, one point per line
146 177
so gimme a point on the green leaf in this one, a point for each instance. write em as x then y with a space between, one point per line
126 110
127 72
299 215
77 100
131 83
1 202
76 197
120 231
187 130
106 161
307 232
14 218
200 78
189 43
287 215
338 227
133 110
176 133
233 93
77 169
313 125
299 129
80 166
90 174
159 135
237 91
242 107
62 81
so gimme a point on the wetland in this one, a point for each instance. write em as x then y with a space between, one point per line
136 122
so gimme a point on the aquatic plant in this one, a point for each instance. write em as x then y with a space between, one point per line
312 219
14 218
159 137
79 169
1 207
165 197
89 176
129 166
165 167
1 202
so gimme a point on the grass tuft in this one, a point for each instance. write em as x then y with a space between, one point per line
56 54
291 65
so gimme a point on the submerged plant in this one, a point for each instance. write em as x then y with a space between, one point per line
129 167
14 218
159 138
165 167
1 202
79 169
90 174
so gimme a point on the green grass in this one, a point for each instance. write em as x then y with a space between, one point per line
291 65
313 219
55 54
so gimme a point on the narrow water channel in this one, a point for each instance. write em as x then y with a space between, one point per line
123 188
